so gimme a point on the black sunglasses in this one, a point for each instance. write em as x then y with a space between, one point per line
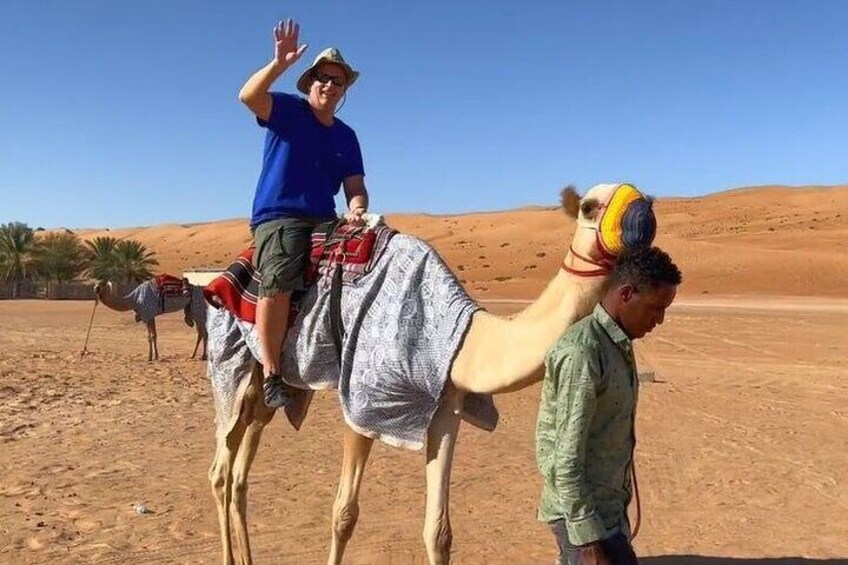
325 78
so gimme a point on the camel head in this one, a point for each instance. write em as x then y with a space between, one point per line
104 292
101 287
611 219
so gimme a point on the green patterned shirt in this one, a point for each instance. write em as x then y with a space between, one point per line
584 432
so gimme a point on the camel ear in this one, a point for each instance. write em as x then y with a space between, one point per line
570 201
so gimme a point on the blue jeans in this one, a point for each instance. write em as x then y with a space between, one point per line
616 547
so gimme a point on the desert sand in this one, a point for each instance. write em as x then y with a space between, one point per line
743 436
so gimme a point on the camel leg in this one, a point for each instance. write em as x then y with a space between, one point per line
228 475
441 439
197 344
152 345
205 338
346 506
155 340
258 415
220 475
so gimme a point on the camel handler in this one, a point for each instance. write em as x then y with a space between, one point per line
309 153
585 433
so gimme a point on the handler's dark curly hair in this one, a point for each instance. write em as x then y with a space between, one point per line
646 268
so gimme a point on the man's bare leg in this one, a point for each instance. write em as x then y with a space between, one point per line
272 316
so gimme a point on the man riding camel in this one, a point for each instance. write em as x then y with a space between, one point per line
309 153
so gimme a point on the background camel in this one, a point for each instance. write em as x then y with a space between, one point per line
147 301
490 355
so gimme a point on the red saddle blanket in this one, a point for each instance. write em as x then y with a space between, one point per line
353 249
169 285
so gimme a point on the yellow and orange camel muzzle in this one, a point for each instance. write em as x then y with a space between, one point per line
627 222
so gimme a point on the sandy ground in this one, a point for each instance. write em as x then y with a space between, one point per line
743 437
742 455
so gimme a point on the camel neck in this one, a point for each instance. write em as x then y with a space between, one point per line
114 301
503 354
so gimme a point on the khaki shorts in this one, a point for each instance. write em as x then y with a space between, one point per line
282 254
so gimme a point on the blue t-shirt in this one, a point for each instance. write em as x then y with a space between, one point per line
304 162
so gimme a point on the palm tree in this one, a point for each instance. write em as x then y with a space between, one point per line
61 257
18 250
101 258
133 261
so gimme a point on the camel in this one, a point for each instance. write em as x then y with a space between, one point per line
147 302
494 355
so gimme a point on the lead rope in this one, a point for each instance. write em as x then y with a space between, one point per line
603 267
638 521
90 323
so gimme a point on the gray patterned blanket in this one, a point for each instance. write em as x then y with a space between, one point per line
403 325
149 303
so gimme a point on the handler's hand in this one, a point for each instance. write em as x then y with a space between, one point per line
593 554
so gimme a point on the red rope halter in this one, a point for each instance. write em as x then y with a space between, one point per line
604 264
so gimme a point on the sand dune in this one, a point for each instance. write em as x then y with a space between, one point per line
764 240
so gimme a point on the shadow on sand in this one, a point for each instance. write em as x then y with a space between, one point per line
701 560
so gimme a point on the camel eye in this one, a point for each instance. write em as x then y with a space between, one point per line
589 208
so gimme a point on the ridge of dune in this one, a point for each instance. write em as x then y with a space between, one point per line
774 240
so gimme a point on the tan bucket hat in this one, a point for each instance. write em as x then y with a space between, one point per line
328 55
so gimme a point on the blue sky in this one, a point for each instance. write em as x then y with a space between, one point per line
125 113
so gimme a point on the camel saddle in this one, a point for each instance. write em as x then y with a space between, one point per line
339 250
170 286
